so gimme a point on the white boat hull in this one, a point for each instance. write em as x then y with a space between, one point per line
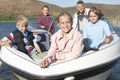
91 63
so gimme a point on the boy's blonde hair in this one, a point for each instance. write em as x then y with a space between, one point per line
22 20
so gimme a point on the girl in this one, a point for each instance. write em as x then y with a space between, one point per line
66 43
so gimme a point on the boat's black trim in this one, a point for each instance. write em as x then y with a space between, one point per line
96 70
79 74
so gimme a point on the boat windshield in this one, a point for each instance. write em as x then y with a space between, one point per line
40 23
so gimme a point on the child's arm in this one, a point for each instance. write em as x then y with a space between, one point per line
7 40
4 43
47 61
37 47
44 63
35 42
108 39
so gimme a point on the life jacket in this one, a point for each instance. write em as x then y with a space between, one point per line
18 40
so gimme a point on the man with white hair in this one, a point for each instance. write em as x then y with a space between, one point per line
80 17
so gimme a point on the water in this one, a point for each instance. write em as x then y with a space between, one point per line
6 27
6 73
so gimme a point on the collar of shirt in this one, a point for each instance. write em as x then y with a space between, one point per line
69 35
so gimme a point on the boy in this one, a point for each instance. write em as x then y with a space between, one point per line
22 39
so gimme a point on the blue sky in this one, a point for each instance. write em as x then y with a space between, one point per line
70 3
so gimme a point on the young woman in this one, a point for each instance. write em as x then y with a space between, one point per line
44 20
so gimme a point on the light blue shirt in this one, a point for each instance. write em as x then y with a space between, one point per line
96 33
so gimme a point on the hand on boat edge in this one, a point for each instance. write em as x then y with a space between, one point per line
44 63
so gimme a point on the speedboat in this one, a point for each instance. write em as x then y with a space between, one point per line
92 65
